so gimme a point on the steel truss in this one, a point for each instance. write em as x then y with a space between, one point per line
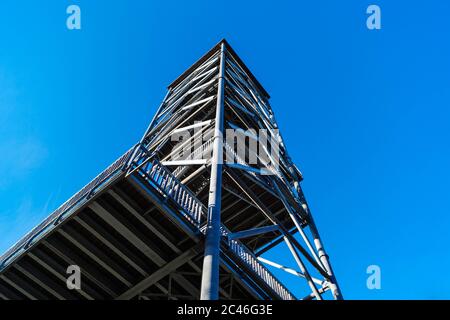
156 213
216 93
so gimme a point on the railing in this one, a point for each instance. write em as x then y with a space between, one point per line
170 186
59 213
194 210
166 183
252 262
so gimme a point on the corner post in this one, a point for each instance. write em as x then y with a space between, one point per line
211 260
323 256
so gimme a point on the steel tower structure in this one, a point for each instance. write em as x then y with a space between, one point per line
175 218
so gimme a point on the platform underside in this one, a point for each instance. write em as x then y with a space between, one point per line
130 243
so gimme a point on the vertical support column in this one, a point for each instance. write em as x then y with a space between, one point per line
211 260
337 294
324 259
303 269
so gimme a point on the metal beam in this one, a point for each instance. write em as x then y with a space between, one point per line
253 232
288 270
125 201
95 254
111 246
251 195
23 287
210 274
50 266
8 294
42 281
187 162
129 204
294 219
325 261
75 259
262 171
152 226
303 269
127 233
192 126
274 243
165 270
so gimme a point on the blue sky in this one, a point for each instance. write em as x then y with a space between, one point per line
365 114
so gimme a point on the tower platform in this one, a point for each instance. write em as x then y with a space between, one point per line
139 230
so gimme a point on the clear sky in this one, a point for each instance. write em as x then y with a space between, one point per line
365 114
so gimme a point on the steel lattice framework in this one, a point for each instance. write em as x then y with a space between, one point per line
156 225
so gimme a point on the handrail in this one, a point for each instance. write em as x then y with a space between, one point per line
253 263
58 214
164 181
194 210
247 256
170 186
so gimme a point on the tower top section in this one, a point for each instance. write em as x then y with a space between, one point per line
210 53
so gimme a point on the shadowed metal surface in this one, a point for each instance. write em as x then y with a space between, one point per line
138 230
